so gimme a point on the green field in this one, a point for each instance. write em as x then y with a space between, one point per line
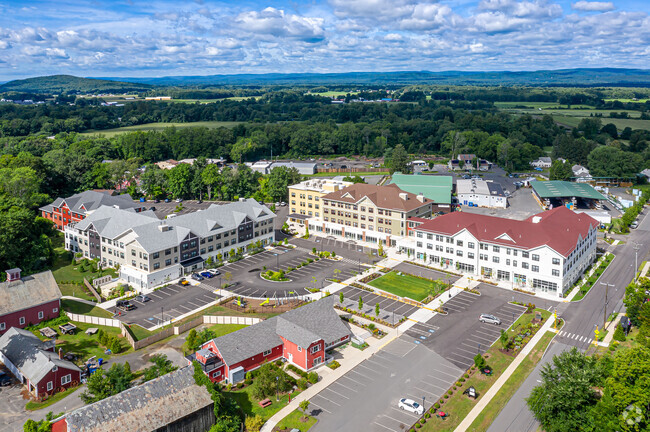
251 407
80 308
161 126
334 93
573 121
293 421
627 100
404 286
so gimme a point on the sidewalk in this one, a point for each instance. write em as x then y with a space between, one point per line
351 358
485 400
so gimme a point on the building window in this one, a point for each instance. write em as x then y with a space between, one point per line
524 265
216 374
50 386
495 248
459 242
495 259
40 315
3 326
315 349
266 353
21 321
535 257
156 266
470 245
168 262
535 268
470 255
556 261
299 349
155 255
66 379
55 310
556 272
524 254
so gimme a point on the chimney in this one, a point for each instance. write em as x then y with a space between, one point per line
404 196
421 197
61 353
13 275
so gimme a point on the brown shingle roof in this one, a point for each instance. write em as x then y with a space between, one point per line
386 197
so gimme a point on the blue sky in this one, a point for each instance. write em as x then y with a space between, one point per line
202 37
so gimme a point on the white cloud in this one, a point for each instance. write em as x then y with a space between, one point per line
275 22
593 6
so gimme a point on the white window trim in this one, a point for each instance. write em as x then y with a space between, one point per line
50 386
21 320
315 349
267 353
40 315
216 374
3 326
66 379
299 349
55 368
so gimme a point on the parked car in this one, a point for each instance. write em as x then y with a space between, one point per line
283 204
179 200
124 305
634 225
184 282
5 379
196 277
206 274
142 298
167 200
214 272
156 200
153 208
410 405
489 319
199 202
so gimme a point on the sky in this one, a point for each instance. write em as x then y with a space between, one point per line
134 38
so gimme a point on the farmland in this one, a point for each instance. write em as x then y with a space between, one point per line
161 126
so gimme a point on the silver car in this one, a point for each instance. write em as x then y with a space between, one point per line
490 319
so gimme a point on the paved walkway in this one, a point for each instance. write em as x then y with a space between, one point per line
485 400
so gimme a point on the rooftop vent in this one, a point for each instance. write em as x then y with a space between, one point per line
13 274
537 219
404 196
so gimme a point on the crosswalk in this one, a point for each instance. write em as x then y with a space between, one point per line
575 337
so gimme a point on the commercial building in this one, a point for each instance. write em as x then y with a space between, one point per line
369 213
436 188
151 252
170 403
75 208
562 193
301 336
480 193
545 253
305 197
28 300
36 364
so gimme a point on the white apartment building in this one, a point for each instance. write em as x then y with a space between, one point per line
545 253
480 193
305 197
151 252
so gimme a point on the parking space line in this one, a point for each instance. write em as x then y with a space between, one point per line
353 380
155 295
378 364
465 349
385 427
323 397
427 391
335 392
320 407
445 382
401 411
359 373
366 367
453 376
344 386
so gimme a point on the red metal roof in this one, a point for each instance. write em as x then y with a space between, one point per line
559 228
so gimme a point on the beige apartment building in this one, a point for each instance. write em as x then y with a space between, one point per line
369 213
305 197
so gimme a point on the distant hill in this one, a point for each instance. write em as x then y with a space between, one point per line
564 77
56 84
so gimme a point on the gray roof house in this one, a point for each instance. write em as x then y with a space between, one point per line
315 323
542 162
33 361
170 403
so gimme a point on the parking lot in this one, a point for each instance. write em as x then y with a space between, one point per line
166 303
349 249
248 282
389 310
459 336
366 398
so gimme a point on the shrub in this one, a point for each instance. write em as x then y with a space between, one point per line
450 392
427 415
228 387
479 361
312 377
619 334
116 346
446 396
462 379
278 363
248 382
466 375
437 405
418 425
333 254
254 424
302 384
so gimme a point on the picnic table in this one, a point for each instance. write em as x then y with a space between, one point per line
441 414
266 402
48 332
91 331
487 371
68 328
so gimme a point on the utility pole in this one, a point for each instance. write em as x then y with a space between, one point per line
607 285
637 246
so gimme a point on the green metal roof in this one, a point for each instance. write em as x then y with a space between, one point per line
565 189
436 188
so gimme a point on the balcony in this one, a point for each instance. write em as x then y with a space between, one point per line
210 365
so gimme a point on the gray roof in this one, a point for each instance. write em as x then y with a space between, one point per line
495 189
302 326
90 200
31 355
143 408
111 222
545 159
27 292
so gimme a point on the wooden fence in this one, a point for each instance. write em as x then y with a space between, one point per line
89 319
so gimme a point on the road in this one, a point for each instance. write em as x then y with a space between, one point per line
580 318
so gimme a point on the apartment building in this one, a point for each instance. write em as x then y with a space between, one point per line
75 208
150 252
369 213
305 197
545 253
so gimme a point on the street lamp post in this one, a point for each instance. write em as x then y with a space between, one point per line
277 262
607 285
637 246
423 409
277 383
220 285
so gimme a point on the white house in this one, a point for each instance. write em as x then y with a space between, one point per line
542 162
545 253
581 174
480 193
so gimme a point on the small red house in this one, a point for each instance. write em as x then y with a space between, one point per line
300 336
28 300
35 363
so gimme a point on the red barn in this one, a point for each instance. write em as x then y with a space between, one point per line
35 363
28 300
300 336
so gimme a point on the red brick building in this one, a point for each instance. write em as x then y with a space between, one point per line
28 300
300 336
35 363
75 208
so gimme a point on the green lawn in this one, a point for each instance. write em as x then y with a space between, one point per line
75 290
251 407
333 93
492 410
527 318
620 124
83 345
64 271
80 308
292 421
224 329
32 405
404 286
161 126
